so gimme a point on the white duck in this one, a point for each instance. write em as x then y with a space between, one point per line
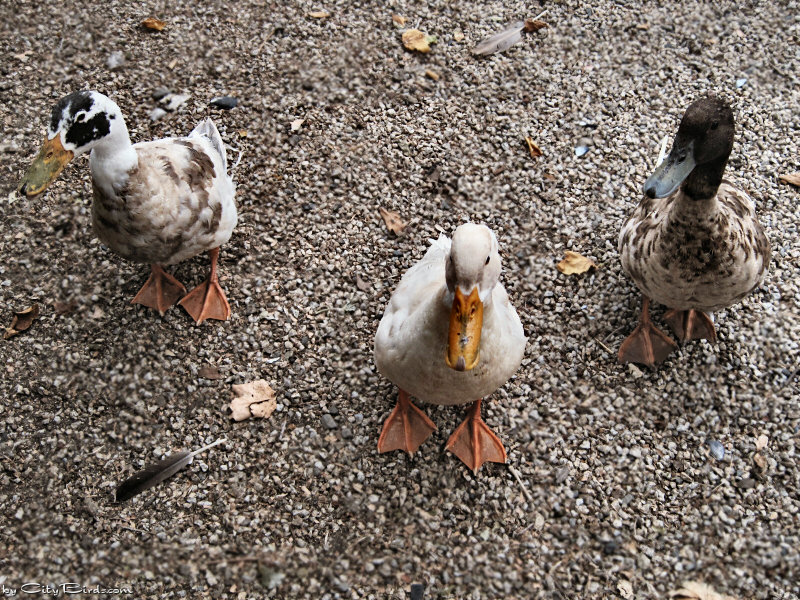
449 336
156 202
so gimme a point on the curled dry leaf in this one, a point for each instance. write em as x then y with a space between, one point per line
319 14
532 25
399 20
393 221
574 263
533 148
791 178
209 372
432 74
154 24
414 39
696 590
254 399
22 320
625 589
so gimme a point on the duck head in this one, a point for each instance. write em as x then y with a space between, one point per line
701 149
79 122
472 270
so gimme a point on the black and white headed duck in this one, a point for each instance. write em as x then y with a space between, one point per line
694 243
157 202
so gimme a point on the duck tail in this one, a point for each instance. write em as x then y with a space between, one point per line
208 130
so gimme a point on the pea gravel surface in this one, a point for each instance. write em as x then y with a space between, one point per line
621 482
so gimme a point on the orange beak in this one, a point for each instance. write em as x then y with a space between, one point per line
50 161
464 337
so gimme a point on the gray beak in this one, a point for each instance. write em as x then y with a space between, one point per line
672 172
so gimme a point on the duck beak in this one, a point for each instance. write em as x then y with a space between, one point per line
50 161
672 172
464 338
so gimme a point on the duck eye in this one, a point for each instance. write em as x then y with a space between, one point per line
487 260
714 125
80 118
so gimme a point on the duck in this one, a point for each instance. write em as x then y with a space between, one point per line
158 202
449 336
694 243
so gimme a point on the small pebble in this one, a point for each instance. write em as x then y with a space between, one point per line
328 421
581 150
224 102
717 449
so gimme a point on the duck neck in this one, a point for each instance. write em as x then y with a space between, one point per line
703 182
112 160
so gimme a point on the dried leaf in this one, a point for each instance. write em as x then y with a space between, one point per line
695 590
64 308
361 284
500 42
432 74
210 372
792 179
458 35
575 263
761 442
22 320
414 39
154 24
254 399
242 133
297 124
533 147
532 25
393 221
625 588
399 20
319 14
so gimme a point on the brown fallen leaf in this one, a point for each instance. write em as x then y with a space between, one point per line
255 399
414 39
154 24
64 308
393 221
574 263
361 284
243 133
533 147
432 74
696 590
319 14
22 320
399 20
791 179
210 372
532 25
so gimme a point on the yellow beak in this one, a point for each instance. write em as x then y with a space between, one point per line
464 337
50 161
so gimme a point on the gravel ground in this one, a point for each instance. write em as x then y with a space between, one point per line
611 488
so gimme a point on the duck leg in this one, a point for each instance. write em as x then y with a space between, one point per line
647 344
207 300
474 443
691 325
406 427
160 291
